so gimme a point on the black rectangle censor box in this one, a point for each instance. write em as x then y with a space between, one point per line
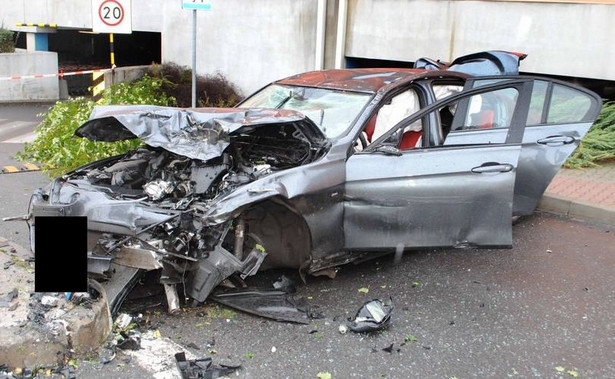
60 254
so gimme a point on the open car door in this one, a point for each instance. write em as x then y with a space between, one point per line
560 114
435 196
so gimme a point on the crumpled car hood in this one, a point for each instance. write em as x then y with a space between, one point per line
198 133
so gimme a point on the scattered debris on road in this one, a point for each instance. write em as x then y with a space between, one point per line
202 367
373 315
270 303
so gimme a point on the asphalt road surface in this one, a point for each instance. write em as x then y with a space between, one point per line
542 309
17 121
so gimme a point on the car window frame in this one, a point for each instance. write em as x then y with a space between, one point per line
515 131
423 96
591 113
369 100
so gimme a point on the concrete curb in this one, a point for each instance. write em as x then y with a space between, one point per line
577 210
66 330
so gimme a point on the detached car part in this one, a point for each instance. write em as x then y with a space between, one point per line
372 316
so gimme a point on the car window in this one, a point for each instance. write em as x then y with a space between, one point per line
489 110
567 105
537 102
333 111
445 90
464 119
553 103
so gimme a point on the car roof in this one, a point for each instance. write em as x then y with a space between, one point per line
360 79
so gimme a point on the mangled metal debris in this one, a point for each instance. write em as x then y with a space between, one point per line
372 316
7 300
202 367
275 304
153 208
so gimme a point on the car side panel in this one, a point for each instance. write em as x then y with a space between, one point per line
430 198
545 147
540 160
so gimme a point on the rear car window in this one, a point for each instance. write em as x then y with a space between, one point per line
567 105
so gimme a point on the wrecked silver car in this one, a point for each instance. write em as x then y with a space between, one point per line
319 170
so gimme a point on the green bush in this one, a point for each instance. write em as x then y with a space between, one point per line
7 44
58 150
212 90
598 145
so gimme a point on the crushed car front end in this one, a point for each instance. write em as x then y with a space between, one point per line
173 204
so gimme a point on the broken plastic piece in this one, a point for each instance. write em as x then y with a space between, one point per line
202 367
131 342
389 349
269 303
122 321
373 315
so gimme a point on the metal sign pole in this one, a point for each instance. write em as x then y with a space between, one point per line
194 58
112 50
194 5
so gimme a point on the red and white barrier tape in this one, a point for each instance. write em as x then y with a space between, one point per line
60 74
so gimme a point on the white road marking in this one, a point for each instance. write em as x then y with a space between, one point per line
28 137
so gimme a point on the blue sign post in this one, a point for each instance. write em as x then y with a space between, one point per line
195 5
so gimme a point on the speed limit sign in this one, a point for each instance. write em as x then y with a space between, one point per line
111 16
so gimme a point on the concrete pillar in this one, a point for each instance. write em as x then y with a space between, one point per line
37 42
30 42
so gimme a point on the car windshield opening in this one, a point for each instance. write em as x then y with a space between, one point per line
333 111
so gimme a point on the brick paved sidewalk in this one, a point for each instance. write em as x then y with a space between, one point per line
594 185
587 194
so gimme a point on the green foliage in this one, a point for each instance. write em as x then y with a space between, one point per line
147 90
212 90
58 150
598 145
7 44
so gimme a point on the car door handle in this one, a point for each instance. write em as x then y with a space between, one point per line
493 167
556 140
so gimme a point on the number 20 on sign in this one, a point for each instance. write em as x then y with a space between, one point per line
111 16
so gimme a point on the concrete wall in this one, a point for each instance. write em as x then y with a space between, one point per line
560 39
251 42
257 41
29 63
124 74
